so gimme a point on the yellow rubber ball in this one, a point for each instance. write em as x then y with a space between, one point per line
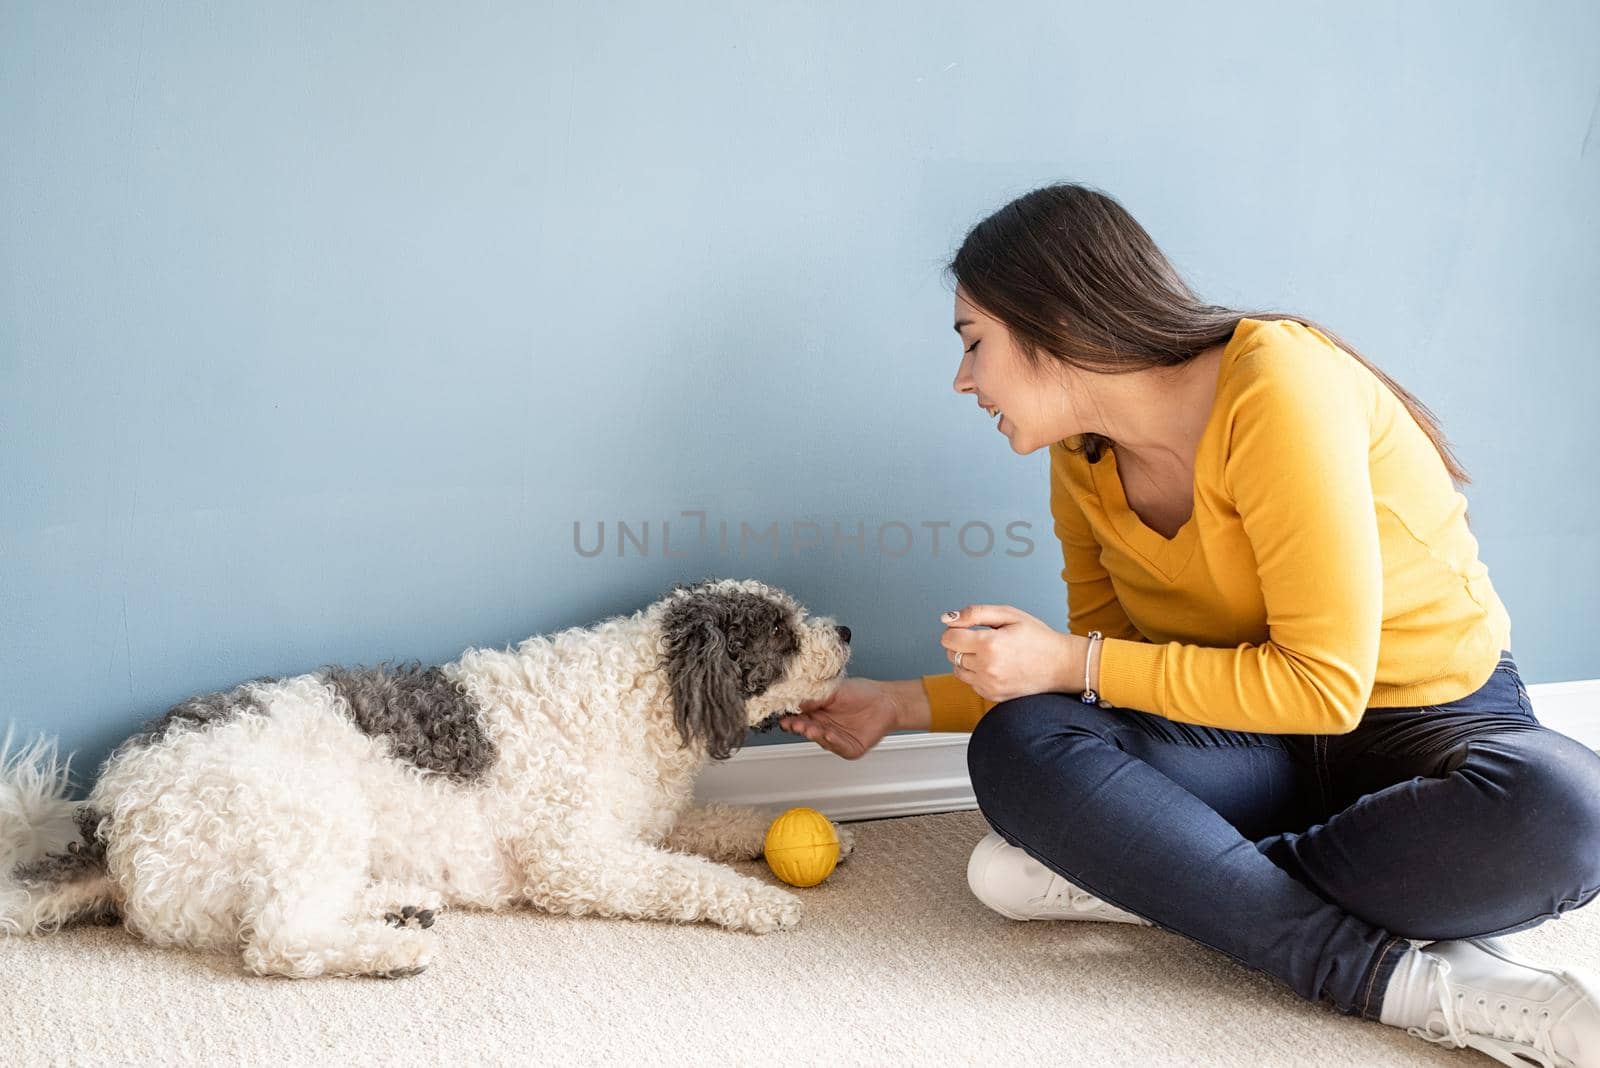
802 847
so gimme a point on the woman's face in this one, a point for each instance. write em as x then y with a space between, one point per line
1034 410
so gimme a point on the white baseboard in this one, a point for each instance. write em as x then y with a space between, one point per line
915 774
1573 708
903 775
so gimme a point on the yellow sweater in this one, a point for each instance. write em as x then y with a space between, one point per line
1327 566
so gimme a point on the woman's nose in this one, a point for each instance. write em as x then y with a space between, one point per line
844 634
964 382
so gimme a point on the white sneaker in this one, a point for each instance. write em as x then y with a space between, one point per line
1515 1011
1016 886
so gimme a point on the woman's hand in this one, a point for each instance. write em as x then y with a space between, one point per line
850 721
1020 656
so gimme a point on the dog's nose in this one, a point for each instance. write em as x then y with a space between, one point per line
844 634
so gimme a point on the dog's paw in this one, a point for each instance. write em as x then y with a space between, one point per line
847 840
392 896
411 916
402 953
772 909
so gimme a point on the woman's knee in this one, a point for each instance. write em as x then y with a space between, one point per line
997 754
1013 723
1561 785
1549 786
1005 741
996 739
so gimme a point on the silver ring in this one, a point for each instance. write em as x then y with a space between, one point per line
958 659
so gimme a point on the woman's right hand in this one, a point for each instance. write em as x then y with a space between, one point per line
850 721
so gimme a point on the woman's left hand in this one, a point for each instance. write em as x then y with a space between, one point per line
1021 655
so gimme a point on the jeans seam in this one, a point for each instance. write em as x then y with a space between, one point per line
1372 979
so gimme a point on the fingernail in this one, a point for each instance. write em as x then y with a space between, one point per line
950 617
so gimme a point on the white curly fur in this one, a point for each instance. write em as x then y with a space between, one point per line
288 834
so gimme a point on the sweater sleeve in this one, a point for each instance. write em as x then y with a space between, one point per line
956 707
1296 468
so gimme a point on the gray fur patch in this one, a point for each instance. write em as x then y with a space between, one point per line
88 818
52 869
722 649
427 720
82 860
197 713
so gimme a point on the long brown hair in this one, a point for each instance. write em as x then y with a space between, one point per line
1076 279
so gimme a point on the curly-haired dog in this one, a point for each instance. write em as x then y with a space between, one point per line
318 822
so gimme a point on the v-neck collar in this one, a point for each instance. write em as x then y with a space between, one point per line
1168 556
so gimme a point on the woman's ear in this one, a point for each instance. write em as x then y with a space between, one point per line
707 702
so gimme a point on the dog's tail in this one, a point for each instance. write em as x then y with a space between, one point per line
52 861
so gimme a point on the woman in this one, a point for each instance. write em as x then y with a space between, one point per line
1285 722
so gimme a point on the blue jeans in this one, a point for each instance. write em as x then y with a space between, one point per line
1310 857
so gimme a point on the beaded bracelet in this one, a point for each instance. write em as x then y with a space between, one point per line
1089 697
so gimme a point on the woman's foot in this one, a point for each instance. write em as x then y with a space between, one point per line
1473 992
1018 887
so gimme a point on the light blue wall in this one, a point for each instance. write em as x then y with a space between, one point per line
320 324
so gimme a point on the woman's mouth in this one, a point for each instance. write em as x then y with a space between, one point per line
996 414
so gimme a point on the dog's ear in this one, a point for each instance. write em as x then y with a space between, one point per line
707 699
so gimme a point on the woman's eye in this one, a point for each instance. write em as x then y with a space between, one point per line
972 346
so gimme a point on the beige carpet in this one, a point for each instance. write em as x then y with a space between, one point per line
895 964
